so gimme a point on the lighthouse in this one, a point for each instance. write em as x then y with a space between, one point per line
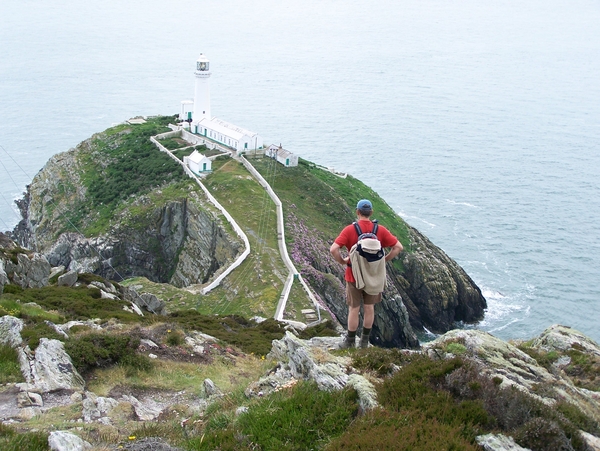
196 116
202 90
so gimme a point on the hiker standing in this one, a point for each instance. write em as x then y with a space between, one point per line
366 295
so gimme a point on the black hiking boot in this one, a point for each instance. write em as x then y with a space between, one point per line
348 342
364 341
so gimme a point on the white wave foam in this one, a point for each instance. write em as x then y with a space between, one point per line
409 217
465 204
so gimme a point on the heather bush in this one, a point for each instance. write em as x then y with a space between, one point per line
101 350
405 431
323 329
74 303
10 369
34 331
249 336
299 418
419 387
540 434
382 361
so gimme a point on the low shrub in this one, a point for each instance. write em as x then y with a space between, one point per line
76 303
10 369
540 434
174 338
34 331
101 350
12 289
406 431
299 418
380 360
324 329
10 440
249 336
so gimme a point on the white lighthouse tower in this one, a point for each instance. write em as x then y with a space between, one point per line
202 90
196 116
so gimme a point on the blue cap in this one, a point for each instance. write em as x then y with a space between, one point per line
364 205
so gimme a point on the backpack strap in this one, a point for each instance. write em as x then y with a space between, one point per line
359 232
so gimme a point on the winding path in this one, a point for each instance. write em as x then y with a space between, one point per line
293 273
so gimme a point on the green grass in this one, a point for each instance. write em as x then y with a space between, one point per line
120 162
319 204
10 369
300 418
77 303
258 281
11 440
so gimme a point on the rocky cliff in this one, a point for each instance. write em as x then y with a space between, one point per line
77 212
176 238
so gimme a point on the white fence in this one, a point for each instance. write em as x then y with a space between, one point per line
216 203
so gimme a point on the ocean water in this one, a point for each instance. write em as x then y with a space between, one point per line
478 122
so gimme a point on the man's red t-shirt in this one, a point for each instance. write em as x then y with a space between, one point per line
348 238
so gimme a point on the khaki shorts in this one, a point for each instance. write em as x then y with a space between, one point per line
354 296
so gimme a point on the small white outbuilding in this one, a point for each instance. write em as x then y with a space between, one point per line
285 157
198 163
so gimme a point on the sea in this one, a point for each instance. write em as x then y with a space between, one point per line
477 121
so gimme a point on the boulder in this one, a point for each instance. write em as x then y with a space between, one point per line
29 399
66 441
210 389
10 331
50 368
146 301
68 279
310 360
145 411
96 407
498 442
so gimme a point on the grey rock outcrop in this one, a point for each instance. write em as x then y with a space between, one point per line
10 331
68 279
145 301
67 441
96 407
310 360
210 389
439 292
3 276
499 442
145 411
29 271
182 241
50 368
514 368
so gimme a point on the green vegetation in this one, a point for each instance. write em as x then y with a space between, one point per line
300 418
318 204
236 330
93 351
11 440
122 162
10 370
583 368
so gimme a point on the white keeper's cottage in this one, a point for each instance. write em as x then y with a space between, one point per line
197 114
198 163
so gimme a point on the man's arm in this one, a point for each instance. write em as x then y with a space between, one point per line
396 249
337 255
